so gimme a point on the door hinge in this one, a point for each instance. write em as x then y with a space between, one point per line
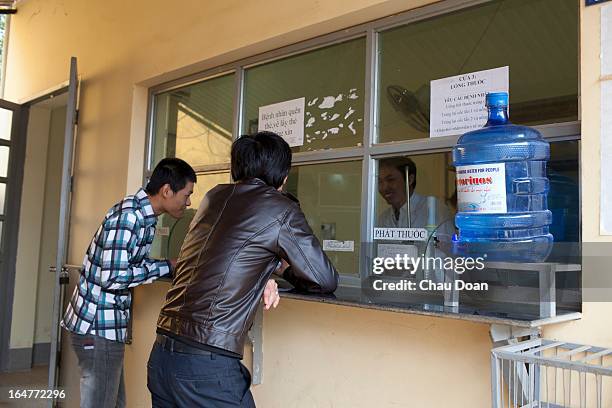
76 117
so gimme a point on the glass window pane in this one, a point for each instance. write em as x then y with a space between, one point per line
431 205
331 80
6 120
4 160
195 122
2 197
543 73
563 194
171 232
205 183
330 196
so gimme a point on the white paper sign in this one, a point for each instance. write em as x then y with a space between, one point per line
338 246
458 102
403 234
391 250
285 119
482 188
162 231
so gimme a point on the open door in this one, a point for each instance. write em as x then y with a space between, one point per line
61 278
13 120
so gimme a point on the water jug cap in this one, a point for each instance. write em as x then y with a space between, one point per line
497 99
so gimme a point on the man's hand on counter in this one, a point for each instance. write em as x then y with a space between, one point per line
270 296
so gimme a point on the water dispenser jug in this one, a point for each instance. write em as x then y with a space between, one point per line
502 189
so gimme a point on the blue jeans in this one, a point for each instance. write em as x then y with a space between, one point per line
101 363
192 380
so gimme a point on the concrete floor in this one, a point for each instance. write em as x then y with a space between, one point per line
36 378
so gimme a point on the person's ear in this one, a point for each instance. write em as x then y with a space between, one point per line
166 191
411 179
283 185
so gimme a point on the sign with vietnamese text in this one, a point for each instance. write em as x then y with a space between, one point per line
400 234
285 119
458 102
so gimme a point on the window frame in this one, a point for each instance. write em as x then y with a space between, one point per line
369 151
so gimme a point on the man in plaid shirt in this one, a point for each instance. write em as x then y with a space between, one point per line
116 260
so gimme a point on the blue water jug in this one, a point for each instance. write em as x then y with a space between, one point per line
502 189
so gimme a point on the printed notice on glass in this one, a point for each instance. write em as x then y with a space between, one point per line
285 119
458 102
392 250
338 246
482 188
404 234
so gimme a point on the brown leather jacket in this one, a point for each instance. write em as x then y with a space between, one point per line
234 243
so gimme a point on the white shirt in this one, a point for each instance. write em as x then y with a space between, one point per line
418 216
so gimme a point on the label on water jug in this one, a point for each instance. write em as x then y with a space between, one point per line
482 188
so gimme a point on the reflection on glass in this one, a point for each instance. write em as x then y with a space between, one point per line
171 232
331 80
543 73
2 197
6 120
195 122
4 159
330 196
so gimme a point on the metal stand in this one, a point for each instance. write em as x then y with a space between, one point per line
547 280
539 373
451 296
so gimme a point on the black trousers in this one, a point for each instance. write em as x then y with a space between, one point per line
181 379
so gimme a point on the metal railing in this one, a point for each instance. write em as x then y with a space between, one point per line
546 373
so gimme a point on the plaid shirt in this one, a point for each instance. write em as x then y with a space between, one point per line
117 259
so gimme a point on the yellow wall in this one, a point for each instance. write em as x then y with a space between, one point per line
315 355
332 356
589 329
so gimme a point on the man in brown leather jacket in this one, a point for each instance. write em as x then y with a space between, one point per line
240 235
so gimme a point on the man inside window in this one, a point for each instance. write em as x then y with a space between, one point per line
118 259
392 175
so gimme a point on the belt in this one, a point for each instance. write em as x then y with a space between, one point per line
170 344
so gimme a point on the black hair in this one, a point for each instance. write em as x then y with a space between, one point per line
172 171
264 155
401 164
